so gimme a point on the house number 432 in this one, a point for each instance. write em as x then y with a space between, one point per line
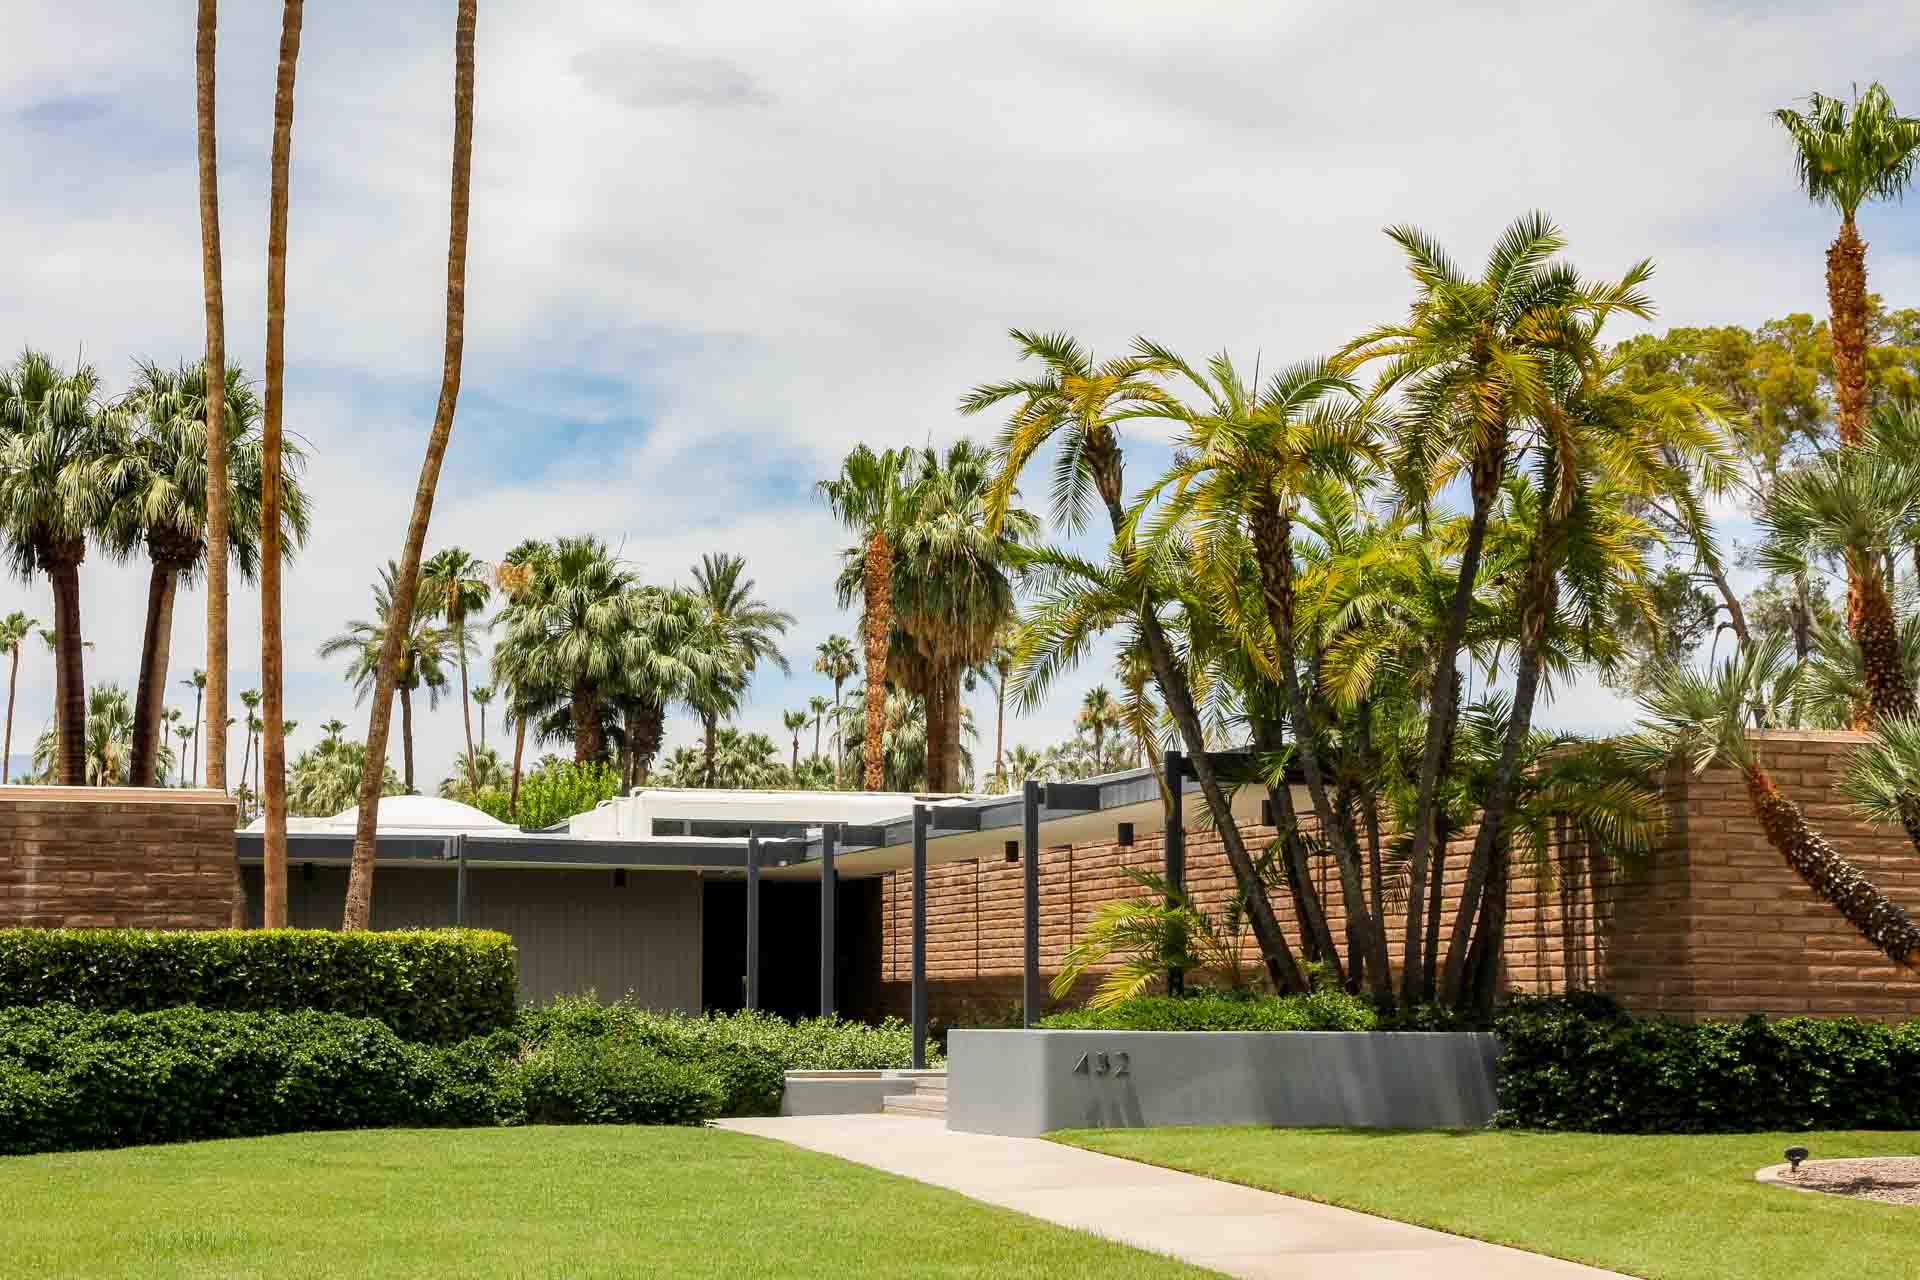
1103 1064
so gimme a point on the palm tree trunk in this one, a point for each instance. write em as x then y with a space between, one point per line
956 721
1847 297
817 721
710 723
406 737
63 571
360 880
839 738
519 751
6 752
466 707
156 649
878 587
1000 726
933 697
216 391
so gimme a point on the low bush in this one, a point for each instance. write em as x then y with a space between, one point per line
1331 1010
611 1079
1582 1064
439 986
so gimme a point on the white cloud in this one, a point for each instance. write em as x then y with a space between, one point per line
714 245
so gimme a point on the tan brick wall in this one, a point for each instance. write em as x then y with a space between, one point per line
1716 925
115 857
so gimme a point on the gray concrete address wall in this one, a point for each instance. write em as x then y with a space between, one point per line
1022 1083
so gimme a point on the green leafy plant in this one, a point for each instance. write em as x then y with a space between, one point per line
554 792
1144 937
1325 1010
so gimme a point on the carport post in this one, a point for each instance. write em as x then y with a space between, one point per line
919 937
460 880
829 890
753 921
1176 842
1030 872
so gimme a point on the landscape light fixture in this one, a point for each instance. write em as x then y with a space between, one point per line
1124 835
1013 851
306 872
1795 1155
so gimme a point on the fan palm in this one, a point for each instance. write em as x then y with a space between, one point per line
1847 154
421 654
157 482
14 630
795 721
198 683
53 429
325 780
739 630
487 767
482 696
836 660
1704 719
463 584
817 708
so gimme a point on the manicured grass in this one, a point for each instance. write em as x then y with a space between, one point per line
589 1201
1670 1208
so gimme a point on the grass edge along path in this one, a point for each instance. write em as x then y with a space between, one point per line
575 1201
1666 1207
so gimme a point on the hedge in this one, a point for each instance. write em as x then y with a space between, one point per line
438 986
1581 1064
1331 1010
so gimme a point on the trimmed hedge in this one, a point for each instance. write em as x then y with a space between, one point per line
1579 1063
1331 1010
438 986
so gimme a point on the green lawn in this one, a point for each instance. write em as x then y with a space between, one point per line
1671 1208
599 1201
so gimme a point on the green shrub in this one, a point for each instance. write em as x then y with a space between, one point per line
553 791
1330 1010
1582 1064
611 1079
439 986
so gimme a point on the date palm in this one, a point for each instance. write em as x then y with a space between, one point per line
873 496
836 660
737 628
1847 153
14 630
53 430
1704 719
465 584
157 486
421 654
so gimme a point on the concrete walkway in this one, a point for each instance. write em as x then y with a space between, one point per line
1221 1225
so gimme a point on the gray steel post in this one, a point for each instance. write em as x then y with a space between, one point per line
1030 872
919 937
829 891
460 881
753 921
1176 841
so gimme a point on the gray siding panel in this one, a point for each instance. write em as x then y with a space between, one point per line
575 932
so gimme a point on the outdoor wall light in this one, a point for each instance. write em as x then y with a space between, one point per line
306 872
1013 851
1266 812
620 878
1124 835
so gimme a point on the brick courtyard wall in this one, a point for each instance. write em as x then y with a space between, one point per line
1715 925
116 857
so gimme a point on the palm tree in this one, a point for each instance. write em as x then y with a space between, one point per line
185 732
198 682
423 652
52 430
817 708
216 416
106 740
873 496
250 699
999 666
360 878
465 585
14 630
1098 711
325 780
1847 154
1707 719
488 768
568 620
795 721
482 695
157 483
738 624
836 661
333 729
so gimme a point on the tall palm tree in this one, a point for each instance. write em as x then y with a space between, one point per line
482 695
325 780
999 666
53 429
250 699
1083 402
1847 154
568 620
736 623
465 585
421 654
185 732
157 486
14 630
213 289
1707 719
817 708
836 660
1098 712
198 683
795 721
360 878
333 729
1468 363
873 496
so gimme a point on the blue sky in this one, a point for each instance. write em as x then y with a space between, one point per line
714 246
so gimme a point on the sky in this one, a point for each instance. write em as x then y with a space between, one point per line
714 246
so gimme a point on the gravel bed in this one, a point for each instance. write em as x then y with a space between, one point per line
1888 1179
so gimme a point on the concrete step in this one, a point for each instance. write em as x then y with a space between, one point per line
931 1105
934 1085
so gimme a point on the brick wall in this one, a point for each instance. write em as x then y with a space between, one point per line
85 857
1716 925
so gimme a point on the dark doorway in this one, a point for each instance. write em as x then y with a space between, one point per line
789 946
